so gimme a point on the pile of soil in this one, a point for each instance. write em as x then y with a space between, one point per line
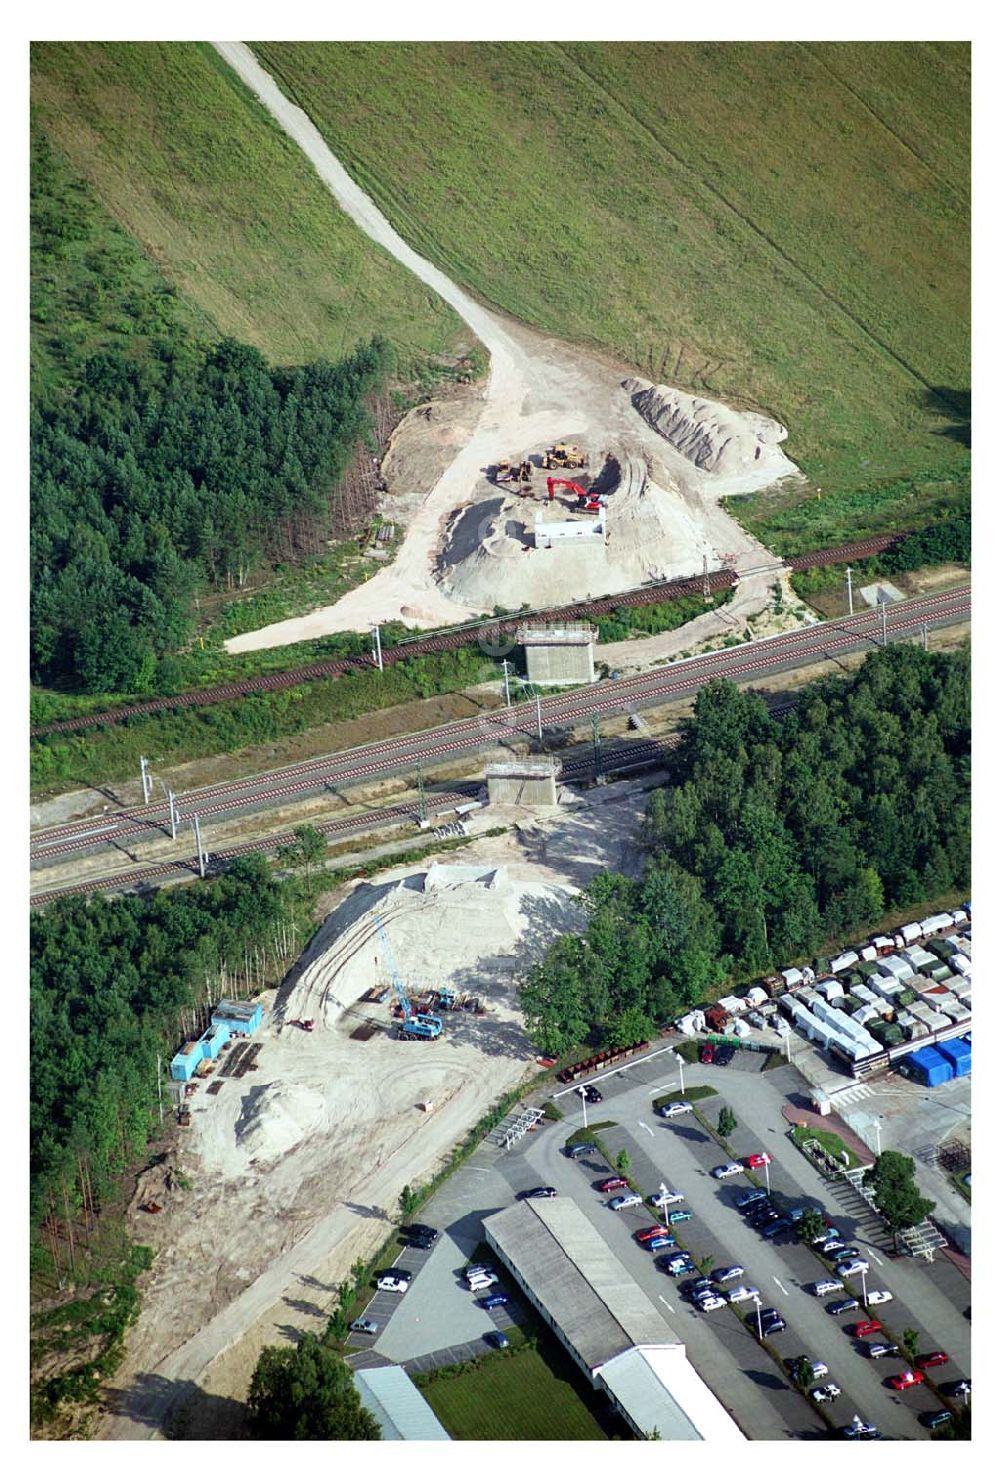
714 437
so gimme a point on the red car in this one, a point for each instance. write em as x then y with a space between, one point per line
931 1360
607 1185
707 1053
862 1329
758 1160
907 1379
650 1234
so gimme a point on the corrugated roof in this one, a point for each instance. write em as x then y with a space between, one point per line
401 1410
577 1278
661 1391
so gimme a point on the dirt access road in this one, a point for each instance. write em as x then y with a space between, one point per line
538 390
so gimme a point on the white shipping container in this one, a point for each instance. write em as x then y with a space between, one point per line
936 923
881 942
830 988
740 1028
793 977
909 933
734 1004
861 991
892 967
959 916
843 961
865 1013
757 996
961 964
870 954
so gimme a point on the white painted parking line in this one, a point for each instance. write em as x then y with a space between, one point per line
778 1284
655 1091
646 1125
666 1304
875 1258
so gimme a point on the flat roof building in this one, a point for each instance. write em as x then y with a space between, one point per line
401 1410
613 1332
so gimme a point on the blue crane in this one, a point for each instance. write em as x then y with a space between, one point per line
415 1025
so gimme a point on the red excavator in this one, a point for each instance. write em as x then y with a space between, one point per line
585 501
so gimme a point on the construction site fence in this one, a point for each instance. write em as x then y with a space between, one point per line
601 1061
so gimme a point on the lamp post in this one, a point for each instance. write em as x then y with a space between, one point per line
680 1067
760 1325
767 1172
864 1288
583 1099
878 1138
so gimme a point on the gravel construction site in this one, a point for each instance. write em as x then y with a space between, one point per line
295 1168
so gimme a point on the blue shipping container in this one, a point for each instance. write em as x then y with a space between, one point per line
187 1060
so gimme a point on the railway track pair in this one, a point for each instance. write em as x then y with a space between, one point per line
457 636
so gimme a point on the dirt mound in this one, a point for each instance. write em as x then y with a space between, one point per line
275 1118
714 437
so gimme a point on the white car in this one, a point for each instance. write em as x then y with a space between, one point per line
875 1297
742 1294
818 1369
675 1109
824 1288
624 1201
825 1394
392 1284
661 1200
482 1281
710 1304
852 1268
727 1170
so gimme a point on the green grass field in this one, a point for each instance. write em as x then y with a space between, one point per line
229 210
783 225
525 1394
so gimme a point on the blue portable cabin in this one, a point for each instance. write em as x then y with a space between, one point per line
959 1053
930 1066
187 1060
214 1039
241 1019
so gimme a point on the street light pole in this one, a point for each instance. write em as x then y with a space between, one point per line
767 1174
878 1139
506 681
538 711
760 1325
864 1288
377 652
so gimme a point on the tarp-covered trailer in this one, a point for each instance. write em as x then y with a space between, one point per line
930 1066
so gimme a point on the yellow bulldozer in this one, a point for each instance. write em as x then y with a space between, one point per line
562 455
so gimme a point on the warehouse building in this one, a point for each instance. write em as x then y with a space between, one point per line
401 1410
615 1335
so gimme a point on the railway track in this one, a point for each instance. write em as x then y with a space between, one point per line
642 753
461 635
604 699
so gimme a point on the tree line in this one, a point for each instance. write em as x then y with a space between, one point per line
151 478
771 837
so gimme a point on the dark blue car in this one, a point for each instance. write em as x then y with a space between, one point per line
495 1299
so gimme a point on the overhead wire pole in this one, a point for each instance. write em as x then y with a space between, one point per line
850 592
377 648
421 797
595 723
197 840
174 815
147 781
506 681
885 634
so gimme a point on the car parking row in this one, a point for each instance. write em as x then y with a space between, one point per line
789 1267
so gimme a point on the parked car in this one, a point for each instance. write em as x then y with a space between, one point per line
665 1197
931 1360
544 1191
825 1287
880 1350
710 1304
727 1170
862 1329
477 1269
766 1217
749 1197
837 1309
908 1379
677 1217
593 1095
876 1298
737 1294
699 1284
674 1109
858 1429
660 1242
852 1268
933 1419
495 1299
606 1186
724 1054
679 1265
577 1150
727 1273
624 1201
825 1394
706 1054
836 1251
422 1237
392 1284
830 1233
649 1233
959 1389
777 1227
498 1339
364 1325
758 1160
770 1322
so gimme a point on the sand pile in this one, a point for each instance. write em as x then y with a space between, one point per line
650 533
714 437
275 1118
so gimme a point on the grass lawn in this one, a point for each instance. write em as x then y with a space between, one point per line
526 1393
693 1094
183 156
783 225
832 1142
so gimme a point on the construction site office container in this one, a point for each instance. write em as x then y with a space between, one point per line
930 1066
187 1060
242 1018
214 1039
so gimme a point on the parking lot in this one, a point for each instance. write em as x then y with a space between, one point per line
439 1319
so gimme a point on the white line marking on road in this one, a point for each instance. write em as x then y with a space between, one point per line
646 1125
875 1258
778 1284
653 1091
666 1303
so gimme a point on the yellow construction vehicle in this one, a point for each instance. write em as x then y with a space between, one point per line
504 471
524 471
562 455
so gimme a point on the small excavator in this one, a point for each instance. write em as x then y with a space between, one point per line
585 501
508 470
562 455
